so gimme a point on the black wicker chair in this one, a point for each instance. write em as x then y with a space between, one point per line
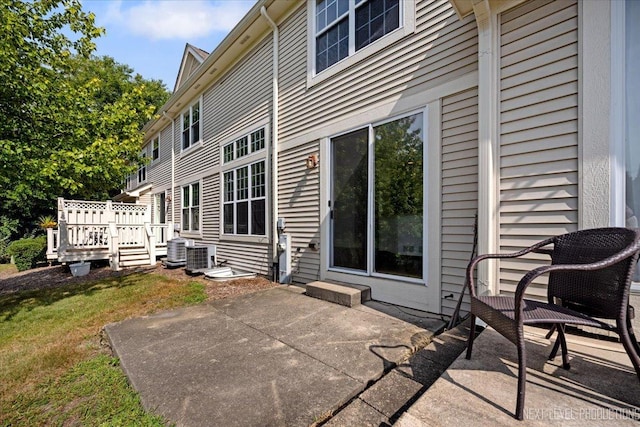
589 282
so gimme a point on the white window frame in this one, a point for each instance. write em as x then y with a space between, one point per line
617 193
618 121
189 230
406 27
142 169
250 198
234 146
369 272
189 111
155 140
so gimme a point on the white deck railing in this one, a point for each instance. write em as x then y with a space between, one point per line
105 227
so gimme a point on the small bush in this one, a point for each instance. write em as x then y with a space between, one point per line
26 252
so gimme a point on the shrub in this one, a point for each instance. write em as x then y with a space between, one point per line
26 252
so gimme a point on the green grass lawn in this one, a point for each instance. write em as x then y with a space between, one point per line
53 368
8 268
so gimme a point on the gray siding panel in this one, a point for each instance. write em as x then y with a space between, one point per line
233 105
459 192
239 99
159 171
299 204
441 49
538 130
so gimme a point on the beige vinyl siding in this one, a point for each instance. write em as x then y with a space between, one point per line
538 130
211 205
441 49
459 193
239 99
232 106
159 171
299 204
248 256
145 199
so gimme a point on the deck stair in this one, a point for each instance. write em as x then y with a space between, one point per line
131 257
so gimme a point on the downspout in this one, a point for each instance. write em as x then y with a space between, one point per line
173 166
274 138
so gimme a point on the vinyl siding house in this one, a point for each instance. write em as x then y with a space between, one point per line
378 129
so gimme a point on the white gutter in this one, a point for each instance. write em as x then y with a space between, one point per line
274 138
173 165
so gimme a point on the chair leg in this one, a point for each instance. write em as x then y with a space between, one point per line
563 344
632 335
561 341
472 335
522 377
556 344
551 331
630 345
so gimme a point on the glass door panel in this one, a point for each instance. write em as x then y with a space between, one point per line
398 192
349 200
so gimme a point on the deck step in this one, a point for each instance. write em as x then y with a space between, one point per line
349 296
134 262
131 257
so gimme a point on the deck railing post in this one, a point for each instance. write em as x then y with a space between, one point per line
150 243
114 251
51 244
109 214
63 236
61 214
169 230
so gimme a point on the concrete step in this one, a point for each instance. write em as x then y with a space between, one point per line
349 296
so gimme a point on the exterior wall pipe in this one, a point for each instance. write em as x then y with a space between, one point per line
274 138
173 167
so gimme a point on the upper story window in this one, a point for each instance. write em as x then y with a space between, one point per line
243 146
191 126
155 148
142 170
343 27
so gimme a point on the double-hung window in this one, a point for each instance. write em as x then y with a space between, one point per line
191 126
191 207
155 148
343 27
142 170
244 185
244 208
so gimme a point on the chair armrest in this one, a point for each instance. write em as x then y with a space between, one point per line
472 264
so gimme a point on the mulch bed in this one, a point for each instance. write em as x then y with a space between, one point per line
59 275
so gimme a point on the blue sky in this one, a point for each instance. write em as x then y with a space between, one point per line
150 35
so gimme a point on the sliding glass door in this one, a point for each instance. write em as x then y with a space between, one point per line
350 200
377 199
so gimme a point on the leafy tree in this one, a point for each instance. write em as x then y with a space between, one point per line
69 122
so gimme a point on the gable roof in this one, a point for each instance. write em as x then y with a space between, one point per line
192 58
249 31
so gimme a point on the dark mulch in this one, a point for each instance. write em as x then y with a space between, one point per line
59 275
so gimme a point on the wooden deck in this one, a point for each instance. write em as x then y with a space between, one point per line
119 232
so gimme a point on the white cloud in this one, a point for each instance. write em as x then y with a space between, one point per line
174 19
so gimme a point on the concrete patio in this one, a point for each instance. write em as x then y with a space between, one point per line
601 388
279 357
